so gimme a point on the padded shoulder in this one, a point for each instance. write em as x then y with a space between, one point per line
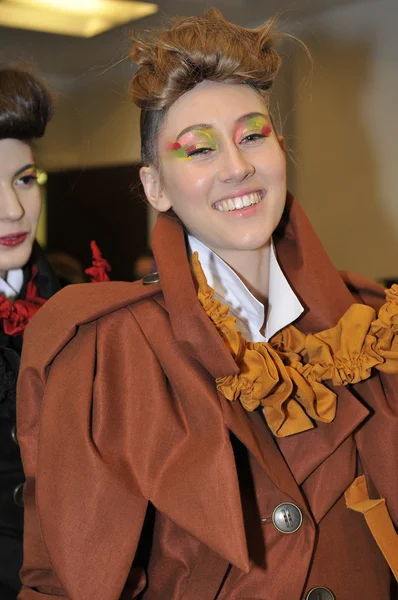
56 322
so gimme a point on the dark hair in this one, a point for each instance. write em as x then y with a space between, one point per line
172 61
25 105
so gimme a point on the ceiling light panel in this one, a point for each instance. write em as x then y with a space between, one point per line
82 18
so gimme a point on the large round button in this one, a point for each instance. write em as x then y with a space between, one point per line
320 593
151 279
287 518
18 494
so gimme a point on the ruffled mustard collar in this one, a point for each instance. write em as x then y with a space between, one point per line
286 375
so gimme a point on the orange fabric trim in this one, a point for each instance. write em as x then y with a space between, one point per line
377 518
286 375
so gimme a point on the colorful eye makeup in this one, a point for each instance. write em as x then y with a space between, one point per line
202 140
26 175
252 125
193 143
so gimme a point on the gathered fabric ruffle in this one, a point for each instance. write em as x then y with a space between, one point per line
285 375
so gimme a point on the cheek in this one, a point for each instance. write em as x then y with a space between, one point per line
275 167
33 206
181 183
200 182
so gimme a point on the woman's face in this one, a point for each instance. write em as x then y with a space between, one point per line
223 170
20 204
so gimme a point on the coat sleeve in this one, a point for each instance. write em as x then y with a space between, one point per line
80 433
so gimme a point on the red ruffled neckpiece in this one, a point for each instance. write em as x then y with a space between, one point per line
15 316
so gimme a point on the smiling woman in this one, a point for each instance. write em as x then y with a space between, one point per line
221 451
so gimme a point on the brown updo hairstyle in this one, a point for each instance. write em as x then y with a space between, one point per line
25 105
172 61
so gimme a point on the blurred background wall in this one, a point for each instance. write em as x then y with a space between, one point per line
343 131
338 117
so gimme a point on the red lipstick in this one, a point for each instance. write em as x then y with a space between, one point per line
14 239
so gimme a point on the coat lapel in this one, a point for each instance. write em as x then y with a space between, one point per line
309 270
251 430
305 451
197 334
325 297
191 326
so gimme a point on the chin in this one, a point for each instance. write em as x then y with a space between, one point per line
16 258
252 242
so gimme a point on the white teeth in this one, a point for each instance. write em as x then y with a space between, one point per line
239 202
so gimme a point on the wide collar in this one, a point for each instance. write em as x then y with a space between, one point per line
191 326
301 256
325 298
309 270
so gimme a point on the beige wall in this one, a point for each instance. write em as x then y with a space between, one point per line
344 132
95 124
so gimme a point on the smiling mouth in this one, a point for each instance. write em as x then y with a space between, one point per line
238 203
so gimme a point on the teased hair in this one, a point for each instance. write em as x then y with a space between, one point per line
25 105
172 61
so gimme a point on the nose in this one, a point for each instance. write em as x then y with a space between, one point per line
235 166
11 208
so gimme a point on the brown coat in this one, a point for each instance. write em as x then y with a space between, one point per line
122 432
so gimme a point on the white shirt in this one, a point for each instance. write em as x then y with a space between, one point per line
283 305
12 284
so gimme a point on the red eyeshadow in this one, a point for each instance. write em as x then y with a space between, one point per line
173 146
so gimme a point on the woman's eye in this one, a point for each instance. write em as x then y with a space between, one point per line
252 137
198 151
26 180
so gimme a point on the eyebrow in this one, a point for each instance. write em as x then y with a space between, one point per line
251 116
206 126
199 127
24 168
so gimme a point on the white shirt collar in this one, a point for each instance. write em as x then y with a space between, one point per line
283 305
12 284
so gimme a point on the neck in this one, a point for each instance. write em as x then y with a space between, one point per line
252 266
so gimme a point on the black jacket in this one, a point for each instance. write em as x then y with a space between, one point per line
11 473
